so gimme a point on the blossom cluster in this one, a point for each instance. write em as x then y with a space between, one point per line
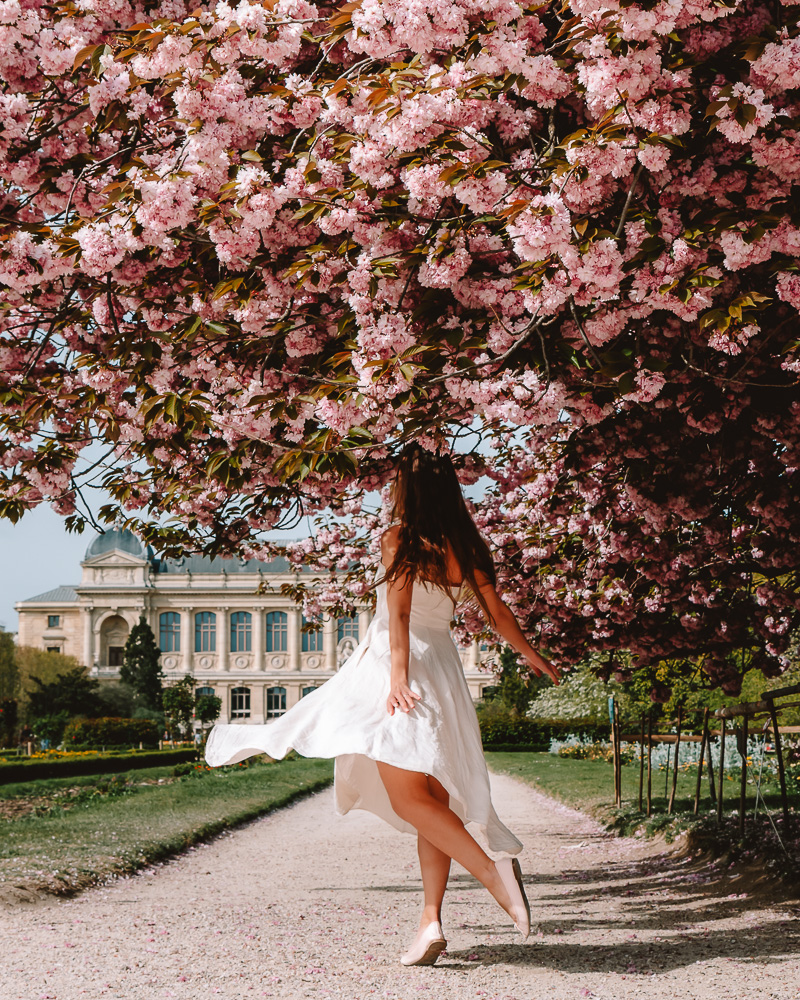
252 246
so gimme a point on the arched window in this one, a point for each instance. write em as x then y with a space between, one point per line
205 632
308 690
276 702
347 627
240 703
312 641
277 632
203 690
169 632
241 632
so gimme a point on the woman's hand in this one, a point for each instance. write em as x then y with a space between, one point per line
539 665
401 698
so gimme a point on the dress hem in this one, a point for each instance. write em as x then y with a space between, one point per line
244 752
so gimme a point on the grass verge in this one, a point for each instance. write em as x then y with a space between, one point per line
588 786
126 825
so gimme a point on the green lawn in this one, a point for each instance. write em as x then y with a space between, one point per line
589 785
121 831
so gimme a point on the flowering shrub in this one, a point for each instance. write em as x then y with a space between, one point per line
581 747
761 757
253 245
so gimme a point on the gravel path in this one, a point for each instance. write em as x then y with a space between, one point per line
306 904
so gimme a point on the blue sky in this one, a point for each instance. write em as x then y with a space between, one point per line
36 554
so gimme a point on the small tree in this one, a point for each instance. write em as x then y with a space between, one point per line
8 720
140 668
49 729
207 708
516 685
9 671
178 702
116 700
72 692
38 665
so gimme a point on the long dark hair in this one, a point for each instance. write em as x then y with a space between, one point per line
430 508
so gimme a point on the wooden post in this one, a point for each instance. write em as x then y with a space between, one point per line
641 764
614 751
743 787
779 752
703 741
619 753
721 772
669 764
671 804
649 761
712 789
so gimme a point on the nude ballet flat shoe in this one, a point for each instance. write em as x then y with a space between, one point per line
427 947
510 872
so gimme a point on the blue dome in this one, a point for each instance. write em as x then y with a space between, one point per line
120 539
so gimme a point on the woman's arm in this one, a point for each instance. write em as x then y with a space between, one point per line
398 597
507 625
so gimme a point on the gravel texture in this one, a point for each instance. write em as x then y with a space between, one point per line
303 903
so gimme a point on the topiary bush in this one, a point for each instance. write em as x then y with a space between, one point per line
93 734
50 728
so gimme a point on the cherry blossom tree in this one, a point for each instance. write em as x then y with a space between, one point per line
253 247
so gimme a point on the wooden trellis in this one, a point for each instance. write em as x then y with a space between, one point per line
747 711
751 710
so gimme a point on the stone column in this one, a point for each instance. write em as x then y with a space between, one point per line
474 657
96 630
293 638
329 643
292 694
223 639
187 639
259 639
222 691
88 659
364 618
258 699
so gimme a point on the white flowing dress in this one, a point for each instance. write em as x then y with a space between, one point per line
346 718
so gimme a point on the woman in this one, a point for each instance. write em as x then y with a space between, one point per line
398 716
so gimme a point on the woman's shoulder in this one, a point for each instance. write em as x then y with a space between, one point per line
390 539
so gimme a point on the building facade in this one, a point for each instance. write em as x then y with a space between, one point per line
225 621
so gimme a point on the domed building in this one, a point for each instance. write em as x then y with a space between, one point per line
223 620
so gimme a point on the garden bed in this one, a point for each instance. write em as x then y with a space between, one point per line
64 765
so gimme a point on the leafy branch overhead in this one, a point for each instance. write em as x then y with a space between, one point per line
251 247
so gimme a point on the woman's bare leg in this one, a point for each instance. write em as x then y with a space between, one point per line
434 865
413 801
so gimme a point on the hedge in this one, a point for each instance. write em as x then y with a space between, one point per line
112 763
516 748
95 734
510 731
